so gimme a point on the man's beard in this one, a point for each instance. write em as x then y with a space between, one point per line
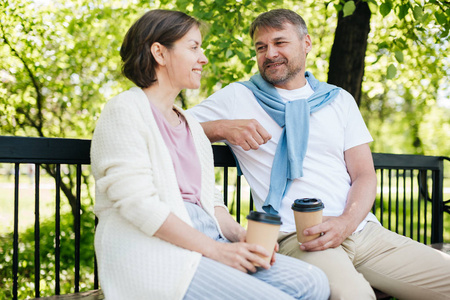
291 72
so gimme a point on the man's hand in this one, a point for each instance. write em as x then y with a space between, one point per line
247 133
334 231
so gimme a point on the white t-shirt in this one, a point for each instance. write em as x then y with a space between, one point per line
333 129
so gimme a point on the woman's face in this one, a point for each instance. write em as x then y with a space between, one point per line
185 61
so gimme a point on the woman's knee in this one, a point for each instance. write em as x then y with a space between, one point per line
320 286
309 281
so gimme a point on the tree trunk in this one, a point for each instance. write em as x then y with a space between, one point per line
346 68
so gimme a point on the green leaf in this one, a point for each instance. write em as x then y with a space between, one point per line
399 56
71 28
383 45
403 11
385 8
349 8
440 17
418 12
401 43
391 71
248 67
425 18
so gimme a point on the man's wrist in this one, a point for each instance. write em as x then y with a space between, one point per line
215 130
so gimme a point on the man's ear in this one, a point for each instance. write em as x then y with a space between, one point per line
158 52
308 43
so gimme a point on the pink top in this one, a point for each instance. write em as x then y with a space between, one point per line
181 147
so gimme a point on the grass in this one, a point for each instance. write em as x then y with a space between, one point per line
26 202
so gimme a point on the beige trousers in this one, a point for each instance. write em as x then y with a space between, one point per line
380 258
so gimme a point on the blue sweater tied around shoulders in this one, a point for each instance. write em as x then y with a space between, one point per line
293 117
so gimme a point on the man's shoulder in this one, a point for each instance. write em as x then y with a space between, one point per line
234 90
344 98
236 86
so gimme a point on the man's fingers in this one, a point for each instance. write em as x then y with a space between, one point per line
314 245
263 134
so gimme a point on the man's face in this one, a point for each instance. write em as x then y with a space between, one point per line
281 56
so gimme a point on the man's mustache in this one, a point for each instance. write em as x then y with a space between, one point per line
277 61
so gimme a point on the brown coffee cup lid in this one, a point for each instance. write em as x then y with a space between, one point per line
307 205
264 217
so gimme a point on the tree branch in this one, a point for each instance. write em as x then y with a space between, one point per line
39 97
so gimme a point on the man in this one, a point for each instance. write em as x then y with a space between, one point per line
295 137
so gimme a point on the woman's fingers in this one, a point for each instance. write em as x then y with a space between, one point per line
241 256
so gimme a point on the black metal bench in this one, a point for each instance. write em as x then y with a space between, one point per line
410 198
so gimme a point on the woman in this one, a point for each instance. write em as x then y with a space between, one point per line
162 232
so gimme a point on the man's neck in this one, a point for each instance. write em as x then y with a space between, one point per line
293 84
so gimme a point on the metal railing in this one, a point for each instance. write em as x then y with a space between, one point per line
409 201
51 153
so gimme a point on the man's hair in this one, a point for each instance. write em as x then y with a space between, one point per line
276 19
162 26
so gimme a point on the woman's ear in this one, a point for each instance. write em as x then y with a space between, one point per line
158 52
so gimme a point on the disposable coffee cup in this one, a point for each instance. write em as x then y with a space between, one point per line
307 213
262 229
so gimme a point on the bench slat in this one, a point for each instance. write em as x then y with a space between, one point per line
89 295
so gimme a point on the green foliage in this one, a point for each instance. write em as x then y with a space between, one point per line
385 8
407 71
58 65
47 258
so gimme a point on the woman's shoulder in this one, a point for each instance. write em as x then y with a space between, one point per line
133 95
130 100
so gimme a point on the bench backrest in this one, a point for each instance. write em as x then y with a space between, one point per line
409 201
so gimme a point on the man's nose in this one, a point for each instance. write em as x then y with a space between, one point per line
271 52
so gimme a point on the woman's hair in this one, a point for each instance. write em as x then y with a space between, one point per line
276 19
162 26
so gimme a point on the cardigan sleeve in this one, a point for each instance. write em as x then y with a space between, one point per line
218 199
122 166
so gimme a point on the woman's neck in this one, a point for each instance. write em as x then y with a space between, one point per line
164 100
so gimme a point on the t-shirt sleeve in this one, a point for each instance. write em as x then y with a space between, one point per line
218 106
356 132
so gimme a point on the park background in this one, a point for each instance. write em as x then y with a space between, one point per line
60 63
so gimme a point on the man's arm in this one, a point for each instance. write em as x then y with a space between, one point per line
359 202
247 133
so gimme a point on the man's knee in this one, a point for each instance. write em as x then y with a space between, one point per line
351 292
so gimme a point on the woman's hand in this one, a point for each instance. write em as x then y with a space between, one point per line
273 259
241 256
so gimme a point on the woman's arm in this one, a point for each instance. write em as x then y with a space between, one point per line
238 255
231 229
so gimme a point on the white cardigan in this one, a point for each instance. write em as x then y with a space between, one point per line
136 189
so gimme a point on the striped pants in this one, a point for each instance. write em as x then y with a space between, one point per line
288 278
